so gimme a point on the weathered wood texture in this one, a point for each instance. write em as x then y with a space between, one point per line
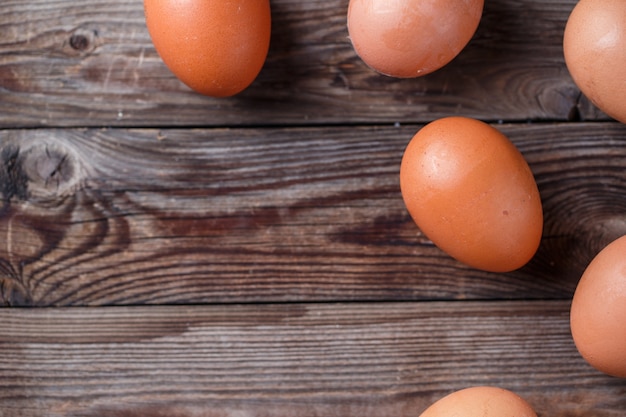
361 360
91 63
277 213
118 216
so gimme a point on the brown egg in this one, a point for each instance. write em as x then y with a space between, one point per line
411 38
480 402
215 47
470 191
598 311
594 45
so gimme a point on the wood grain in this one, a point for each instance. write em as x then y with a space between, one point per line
293 359
252 256
92 63
148 216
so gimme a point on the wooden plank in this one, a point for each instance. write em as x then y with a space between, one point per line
294 359
135 216
92 63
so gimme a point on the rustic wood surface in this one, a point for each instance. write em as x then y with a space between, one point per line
137 216
169 254
92 63
373 359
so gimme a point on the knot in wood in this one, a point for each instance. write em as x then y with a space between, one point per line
83 40
79 42
38 169
51 170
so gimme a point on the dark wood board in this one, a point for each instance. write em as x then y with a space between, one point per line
92 63
361 360
168 254
119 216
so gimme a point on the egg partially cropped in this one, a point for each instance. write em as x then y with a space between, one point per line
411 38
598 311
215 47
472 193
594 45
481 401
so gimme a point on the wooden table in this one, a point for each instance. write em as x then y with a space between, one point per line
169 254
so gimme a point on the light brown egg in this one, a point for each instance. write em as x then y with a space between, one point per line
480 401
594 44
471 191
598 311
411 38
215 47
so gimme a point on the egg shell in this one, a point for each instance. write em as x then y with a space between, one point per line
215 47
470 191
411 38
481 401
598 310
594 46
